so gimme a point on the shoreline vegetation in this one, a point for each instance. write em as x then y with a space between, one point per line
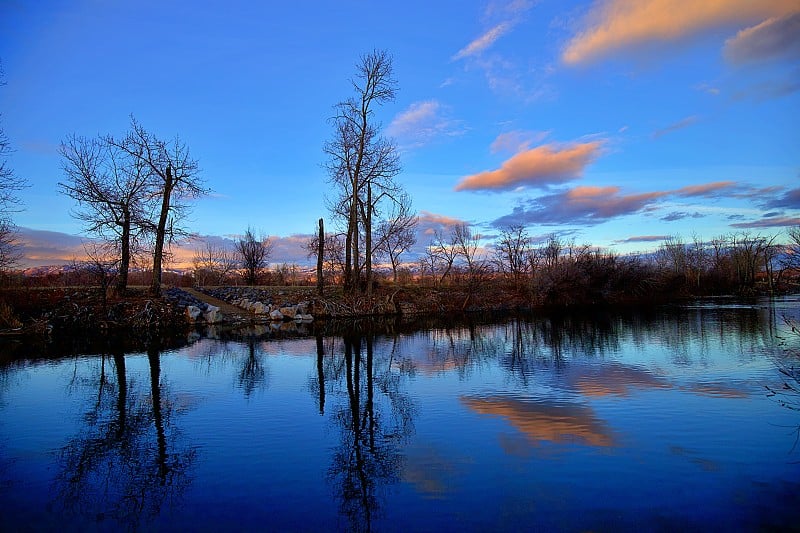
51 314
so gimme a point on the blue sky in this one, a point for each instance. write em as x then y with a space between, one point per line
612 122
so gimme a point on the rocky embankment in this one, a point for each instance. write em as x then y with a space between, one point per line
250 304
266 304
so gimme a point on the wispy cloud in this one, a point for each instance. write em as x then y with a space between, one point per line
538 167
769 222
580 205
612 25
517 141
483 42
774 38
423 122
788 200
682 123
772 88
504 8
642 238
707 189
708 89
680 215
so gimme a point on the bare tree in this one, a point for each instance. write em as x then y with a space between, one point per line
174 180
672 254
551 252
10 253
746 253
112 189
101 263
253 255
696 260
466 245
360 160
397 234
10 184
791 260
212 264
333 253
442 253
512 251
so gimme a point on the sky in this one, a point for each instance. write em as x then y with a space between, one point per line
616 123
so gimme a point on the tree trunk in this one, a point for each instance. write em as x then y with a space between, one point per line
320 257
161 230
356 273
368 240
348 246
125 253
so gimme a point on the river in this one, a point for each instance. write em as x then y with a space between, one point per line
661 420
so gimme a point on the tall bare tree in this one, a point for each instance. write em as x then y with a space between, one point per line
253 255
360 160
113 190
175 180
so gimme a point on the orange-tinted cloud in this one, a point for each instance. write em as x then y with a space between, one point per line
544 165
706 189
615 24
553 422
774 38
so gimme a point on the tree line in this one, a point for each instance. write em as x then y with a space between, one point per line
132 193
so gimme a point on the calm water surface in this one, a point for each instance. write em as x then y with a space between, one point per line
637 422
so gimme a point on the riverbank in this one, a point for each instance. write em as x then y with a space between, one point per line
63 312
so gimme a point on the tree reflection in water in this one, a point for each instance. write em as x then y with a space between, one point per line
126 463
253 374
374 421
